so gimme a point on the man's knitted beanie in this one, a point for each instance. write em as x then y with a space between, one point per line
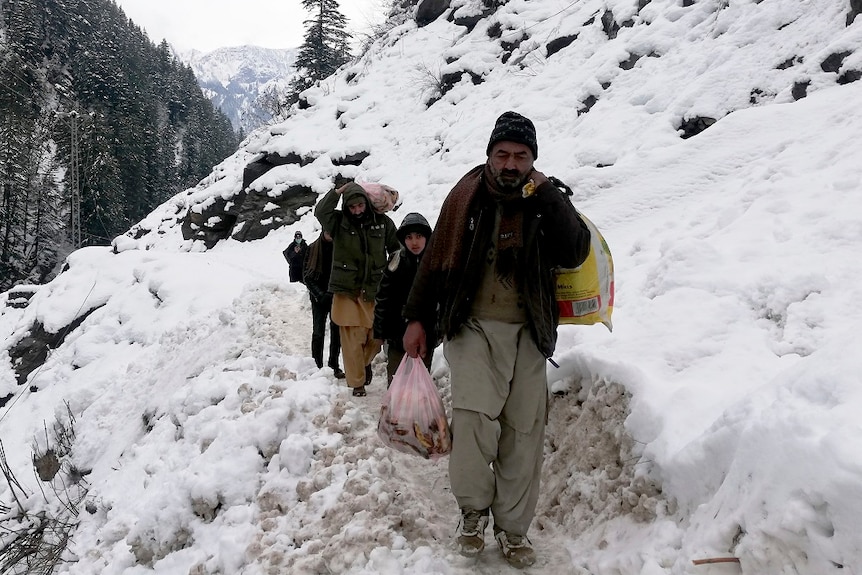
513 127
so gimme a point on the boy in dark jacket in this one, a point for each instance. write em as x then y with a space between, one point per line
395 284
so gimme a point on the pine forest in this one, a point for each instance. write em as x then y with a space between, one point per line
98 126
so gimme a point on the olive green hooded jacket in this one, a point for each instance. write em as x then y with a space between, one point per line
360 248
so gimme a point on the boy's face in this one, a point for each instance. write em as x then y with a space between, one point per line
415 242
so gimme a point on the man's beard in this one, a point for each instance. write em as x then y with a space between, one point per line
357 218
508 180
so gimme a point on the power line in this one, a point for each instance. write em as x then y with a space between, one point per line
11 89
15 74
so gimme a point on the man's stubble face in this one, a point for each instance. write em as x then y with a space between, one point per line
510 164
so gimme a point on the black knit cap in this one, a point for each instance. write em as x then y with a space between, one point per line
513 127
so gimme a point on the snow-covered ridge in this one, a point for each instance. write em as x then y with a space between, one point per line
233 78
719 419
631 80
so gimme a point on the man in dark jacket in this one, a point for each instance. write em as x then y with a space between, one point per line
295 256
316 272
488 274
389 325
362 240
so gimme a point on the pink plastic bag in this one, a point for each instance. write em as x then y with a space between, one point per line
412 417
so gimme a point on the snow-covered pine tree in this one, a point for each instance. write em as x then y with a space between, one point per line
325 47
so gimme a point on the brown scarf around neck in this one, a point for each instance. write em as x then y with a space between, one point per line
510 237
448 248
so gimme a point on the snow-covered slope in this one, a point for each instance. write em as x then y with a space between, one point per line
719 419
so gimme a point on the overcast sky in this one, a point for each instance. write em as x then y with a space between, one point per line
209 24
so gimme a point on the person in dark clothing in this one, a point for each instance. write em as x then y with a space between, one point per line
488 276
295 256
389 325
316 272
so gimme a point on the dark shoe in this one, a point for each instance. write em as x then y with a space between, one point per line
359 391
368 374
471 536
336 371
516 549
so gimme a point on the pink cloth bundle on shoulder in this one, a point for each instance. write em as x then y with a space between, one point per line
383 198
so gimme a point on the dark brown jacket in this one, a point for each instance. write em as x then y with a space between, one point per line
554 236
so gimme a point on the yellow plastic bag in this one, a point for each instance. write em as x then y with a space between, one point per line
585 294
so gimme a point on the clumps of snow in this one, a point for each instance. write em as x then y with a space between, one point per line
594 465
357 495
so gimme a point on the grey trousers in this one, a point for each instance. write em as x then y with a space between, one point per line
499 395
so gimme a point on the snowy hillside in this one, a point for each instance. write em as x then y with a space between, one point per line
717 147
234 78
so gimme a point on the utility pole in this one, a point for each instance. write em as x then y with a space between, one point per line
75 182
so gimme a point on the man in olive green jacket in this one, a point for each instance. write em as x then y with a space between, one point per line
362 241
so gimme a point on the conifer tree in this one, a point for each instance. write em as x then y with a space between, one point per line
325 47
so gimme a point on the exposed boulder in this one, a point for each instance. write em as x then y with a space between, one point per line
429 10
849 76
610 25
509 45
470 20
252 214
800 89
792 61
695 125
630 62
855 10
261 213
558 44
31 351
350 159
587 104
19 296
833 62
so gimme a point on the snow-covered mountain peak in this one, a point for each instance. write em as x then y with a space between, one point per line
233 78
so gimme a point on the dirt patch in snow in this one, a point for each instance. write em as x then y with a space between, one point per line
593 468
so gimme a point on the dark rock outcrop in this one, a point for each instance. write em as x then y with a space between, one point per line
855 10
800 89
252 214
31 351
693 126
558 44
834 61
470 21
260 213
429 10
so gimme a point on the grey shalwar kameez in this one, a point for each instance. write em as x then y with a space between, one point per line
499 397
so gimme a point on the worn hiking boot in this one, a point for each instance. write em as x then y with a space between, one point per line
471 537
337 373
515 548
